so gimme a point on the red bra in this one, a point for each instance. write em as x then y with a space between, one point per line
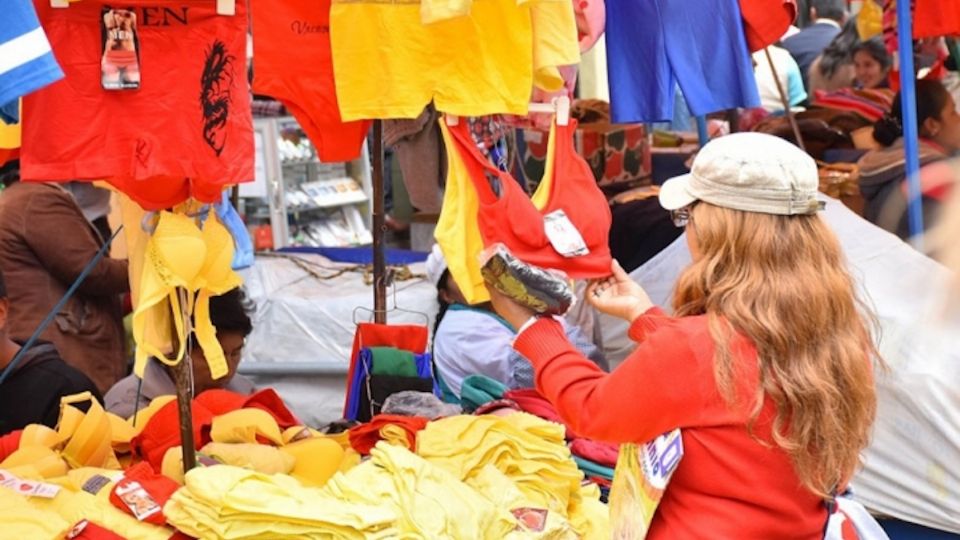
512 218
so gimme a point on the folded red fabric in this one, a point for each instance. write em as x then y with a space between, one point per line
365 436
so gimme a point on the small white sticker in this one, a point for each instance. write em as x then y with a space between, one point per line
564 237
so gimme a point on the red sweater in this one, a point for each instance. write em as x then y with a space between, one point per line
728 485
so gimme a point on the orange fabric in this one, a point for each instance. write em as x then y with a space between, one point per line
365 436
162 431
291 42
741 487
936 18
766 21
8 154
514 220
187 131
411 338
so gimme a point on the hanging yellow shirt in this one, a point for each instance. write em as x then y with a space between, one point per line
387 64
554 37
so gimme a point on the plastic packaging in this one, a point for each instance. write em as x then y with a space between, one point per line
423 404
546 292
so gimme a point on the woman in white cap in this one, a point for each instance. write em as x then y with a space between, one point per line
766 366
474 340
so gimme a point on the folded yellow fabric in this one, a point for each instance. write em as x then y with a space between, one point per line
90 440
120 433
256 457
316 460
74 506
430 502
22 520
244 425
40 435
530 451
225 502
503 493
35 462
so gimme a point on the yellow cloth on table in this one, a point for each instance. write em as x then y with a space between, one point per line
243 426
40 435
503 493
316 460
431 502
531 452
22 520
74 506
225 502
256 457
468 66
90 438
34 463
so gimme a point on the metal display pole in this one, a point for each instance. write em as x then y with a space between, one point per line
911 133
379 229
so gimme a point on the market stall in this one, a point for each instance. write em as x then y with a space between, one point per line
352 433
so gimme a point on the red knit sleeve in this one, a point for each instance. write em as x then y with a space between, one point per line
667 382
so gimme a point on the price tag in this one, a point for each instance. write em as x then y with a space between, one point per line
28 488
564 237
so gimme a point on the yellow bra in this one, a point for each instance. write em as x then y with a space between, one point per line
181 255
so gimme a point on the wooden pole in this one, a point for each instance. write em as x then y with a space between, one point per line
786 102
183 378
379 229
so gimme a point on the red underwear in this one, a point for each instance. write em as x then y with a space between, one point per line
187 131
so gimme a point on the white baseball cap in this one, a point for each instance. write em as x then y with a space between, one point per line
751 172
436 265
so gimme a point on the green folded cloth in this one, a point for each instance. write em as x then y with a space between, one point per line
593 469
478 390
392 361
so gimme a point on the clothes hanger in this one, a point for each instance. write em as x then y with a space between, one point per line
371 313
559 106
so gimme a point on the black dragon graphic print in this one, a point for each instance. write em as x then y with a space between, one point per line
215 95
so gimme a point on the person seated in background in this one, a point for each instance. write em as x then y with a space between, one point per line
806 45
229 314
474 340
883 171
834 69
31 392
872 63
787 75
45 244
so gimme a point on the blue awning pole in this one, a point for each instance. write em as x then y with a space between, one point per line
911 135
702 131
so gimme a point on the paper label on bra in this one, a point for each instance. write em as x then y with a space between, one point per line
564 237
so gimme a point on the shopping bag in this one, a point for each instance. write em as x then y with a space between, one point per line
639 481
852 512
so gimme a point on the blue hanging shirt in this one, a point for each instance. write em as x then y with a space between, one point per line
26 61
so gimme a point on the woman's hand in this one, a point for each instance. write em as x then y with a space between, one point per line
618 295
512 312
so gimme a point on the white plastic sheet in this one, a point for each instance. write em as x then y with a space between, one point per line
912 468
